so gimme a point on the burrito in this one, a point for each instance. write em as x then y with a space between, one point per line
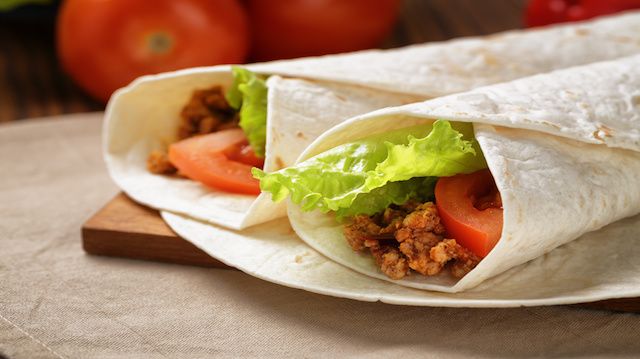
443 194
264 115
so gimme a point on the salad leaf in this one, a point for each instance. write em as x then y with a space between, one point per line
248 94
366 176
421 188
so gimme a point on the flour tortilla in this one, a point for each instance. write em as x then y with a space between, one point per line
600 265
563 148
321 92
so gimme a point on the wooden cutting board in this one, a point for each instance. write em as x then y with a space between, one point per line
123 228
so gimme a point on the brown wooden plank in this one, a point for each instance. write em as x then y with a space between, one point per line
123 228
126 229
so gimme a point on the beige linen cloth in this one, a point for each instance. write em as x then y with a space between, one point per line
56 301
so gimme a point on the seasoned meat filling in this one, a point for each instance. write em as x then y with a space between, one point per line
158 163
207 111
409 237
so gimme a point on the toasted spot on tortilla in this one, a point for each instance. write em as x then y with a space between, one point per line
276 135
299 134
485 57
596 135
569 94
409 100
602 132
551 124
623 39
341 98
635 100
582 32
300 257
496 37
280 163
584 105
490 59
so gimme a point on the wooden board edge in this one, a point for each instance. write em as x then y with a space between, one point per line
109 232
165 249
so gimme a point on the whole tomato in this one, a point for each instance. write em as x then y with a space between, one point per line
105 44
296 28
544 12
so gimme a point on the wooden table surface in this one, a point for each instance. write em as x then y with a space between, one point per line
32 83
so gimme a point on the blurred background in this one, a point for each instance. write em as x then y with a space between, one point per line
60 57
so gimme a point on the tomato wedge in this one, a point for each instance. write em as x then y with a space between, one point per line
222 160
471 210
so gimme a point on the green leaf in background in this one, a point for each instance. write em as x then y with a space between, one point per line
366 176
7 5
248 94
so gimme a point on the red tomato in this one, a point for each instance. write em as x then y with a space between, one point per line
214 160
471 211
105 44
296 28
245 154
544 12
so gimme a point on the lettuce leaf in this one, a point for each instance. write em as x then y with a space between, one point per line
248 94
366 176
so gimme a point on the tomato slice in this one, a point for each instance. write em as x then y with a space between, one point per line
219 160
471 210
245 154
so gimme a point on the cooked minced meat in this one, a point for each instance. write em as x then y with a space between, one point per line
390 261
158 163
207 111
409 237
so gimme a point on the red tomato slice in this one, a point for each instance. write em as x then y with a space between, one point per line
245 154
217 160
471 210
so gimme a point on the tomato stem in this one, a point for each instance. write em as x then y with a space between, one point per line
159 43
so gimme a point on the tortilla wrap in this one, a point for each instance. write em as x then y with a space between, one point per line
143 117
608 267
563 148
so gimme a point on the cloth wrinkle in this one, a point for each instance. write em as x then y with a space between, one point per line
31 337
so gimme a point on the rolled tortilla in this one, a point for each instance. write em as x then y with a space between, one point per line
563 148
321 92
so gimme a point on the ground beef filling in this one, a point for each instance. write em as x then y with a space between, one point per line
207 111
409 237
158 163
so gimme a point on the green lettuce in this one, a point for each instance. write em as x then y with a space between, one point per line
248 94
366 176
